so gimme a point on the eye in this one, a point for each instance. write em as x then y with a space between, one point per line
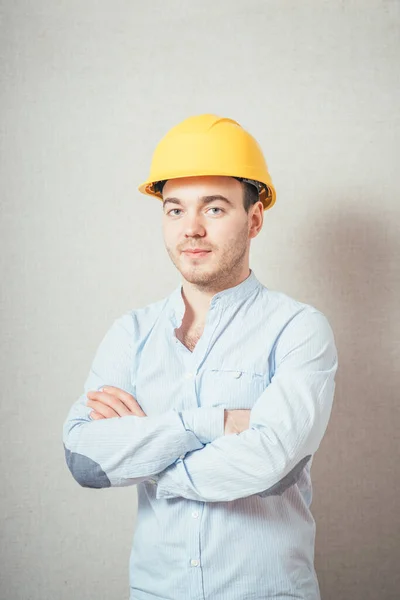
174 212
215 210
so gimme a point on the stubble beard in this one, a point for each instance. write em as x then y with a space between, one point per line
220 275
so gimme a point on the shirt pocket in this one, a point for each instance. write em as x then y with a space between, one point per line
230 388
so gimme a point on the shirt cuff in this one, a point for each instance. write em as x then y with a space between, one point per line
207 423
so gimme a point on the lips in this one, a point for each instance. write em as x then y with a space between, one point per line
196 252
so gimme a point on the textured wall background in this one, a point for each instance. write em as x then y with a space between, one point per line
87 89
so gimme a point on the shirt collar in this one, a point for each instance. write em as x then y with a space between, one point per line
223 298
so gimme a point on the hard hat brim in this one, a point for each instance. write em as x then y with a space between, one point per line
267 194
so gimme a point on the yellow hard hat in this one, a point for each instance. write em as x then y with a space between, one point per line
209 145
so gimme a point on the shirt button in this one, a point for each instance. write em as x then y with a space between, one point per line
195 514
188 375
182 456
237 374
194 562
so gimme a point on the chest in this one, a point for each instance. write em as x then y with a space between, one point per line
189 335
187 368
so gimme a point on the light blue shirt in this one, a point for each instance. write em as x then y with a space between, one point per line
219 517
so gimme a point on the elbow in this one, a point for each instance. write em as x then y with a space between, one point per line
286 482
86 471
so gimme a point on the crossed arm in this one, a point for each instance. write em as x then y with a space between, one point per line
191 454
111 402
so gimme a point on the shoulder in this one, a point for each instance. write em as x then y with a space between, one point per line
295 321
286 308
139 322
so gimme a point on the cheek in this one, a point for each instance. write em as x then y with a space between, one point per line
170 235
227 234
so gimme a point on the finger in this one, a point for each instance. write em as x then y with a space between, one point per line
112 401
102 409
110 393
126 398
96 416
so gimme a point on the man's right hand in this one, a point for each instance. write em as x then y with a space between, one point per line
236 421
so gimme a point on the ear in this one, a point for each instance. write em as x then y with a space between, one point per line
256 219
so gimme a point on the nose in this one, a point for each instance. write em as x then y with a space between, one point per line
194 226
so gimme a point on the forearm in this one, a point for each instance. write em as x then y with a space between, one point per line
127 450
233 467
287 424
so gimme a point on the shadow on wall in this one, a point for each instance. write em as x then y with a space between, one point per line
356 472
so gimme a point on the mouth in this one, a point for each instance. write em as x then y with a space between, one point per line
196 252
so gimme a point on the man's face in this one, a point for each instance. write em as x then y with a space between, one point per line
207 231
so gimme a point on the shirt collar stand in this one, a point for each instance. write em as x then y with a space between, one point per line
224 297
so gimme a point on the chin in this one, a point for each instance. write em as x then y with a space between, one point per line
198 276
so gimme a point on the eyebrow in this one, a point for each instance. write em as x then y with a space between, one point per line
203 200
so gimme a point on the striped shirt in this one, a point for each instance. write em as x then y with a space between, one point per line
220 517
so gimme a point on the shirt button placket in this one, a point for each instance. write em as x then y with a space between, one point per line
194 550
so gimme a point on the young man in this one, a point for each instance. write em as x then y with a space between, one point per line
215 399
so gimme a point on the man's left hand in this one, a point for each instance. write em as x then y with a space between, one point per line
113 402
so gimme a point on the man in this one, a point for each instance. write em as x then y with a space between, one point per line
215 399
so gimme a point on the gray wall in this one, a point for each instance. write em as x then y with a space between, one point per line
87 89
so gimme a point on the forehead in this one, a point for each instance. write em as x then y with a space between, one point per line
193 188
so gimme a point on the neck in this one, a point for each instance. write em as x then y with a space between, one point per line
198 298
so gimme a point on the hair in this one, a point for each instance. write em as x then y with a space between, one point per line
250 192
250 195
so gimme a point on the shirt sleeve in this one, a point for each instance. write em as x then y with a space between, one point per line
287 424
127 450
